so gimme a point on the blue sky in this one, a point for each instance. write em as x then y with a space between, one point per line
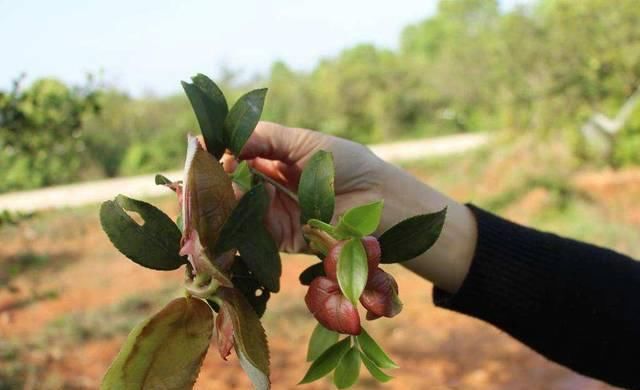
148 46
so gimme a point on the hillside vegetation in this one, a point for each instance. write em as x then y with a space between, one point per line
543 69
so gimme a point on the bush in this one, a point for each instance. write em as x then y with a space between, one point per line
627 146
163 153
138 135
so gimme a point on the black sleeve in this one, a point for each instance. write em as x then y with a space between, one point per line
576 304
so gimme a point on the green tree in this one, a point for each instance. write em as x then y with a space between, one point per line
459 48
40 133
138 135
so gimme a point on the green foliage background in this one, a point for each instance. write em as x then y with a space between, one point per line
544 68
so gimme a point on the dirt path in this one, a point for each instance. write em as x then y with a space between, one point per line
74 195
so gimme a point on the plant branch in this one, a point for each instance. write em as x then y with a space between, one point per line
276 184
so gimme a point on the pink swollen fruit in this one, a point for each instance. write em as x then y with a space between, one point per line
332 309
371 247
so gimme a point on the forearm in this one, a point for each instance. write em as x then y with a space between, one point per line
446 264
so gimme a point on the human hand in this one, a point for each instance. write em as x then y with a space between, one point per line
280 153
361 177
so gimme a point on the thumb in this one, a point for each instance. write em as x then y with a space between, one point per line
276 142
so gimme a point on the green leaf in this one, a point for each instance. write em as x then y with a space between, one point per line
245 231
352 270
241 224
310 273
154 244
211 109
260 253
214 306
260 380
374 352
166 349
411 237
250 339
361 221
254 292
243 118
375 372
180 222
242 176
321 340
162 180
327 361
348 370
316 193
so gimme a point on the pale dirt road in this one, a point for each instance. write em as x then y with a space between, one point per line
74 195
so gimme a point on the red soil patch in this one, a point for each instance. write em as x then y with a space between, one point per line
435 349
617 191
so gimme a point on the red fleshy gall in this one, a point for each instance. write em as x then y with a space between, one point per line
374 253
332 309
371 317
371 247
380 296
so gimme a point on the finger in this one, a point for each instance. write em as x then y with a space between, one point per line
288 175
268 140
229 163
282 219
276 142
237 191
268 167
201 142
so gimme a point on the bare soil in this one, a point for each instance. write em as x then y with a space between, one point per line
84 274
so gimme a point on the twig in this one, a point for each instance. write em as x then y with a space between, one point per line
276 184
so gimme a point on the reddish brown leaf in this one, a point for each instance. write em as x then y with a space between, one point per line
208 200
208 195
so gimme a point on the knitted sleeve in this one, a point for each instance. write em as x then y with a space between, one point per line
575 303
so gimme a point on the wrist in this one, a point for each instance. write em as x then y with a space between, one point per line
447 262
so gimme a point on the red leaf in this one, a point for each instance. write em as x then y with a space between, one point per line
207 202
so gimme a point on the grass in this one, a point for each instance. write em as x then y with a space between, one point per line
107 321
8 218
12 369
585 221
20 263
